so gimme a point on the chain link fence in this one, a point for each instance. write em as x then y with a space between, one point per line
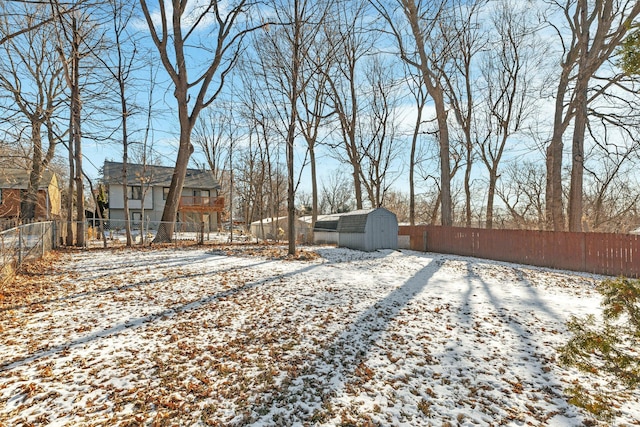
111 232
22 243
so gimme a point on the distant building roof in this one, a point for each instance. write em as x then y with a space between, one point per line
19 178
157 175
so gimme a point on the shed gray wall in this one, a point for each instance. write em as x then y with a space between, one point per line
352 241
325 237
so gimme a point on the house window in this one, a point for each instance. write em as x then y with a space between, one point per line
165 193
134 192
201 193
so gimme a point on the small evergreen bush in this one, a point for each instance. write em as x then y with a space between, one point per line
606 348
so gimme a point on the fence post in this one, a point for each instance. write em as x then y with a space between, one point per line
19 246
583 248
424 239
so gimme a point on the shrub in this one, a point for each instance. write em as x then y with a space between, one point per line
606 348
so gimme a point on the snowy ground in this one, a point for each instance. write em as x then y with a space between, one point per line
235 337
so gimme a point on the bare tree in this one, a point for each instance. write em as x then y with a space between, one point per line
261 178
313 115
77 37
121 61
421 46
522 193
595 30
419 95
350 40
31 79
612 196
509 74
214 135
226 23
379 142
9 11
284 53
336 194
466 39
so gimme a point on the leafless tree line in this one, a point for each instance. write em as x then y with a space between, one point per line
451 112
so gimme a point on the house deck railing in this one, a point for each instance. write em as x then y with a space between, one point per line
207 203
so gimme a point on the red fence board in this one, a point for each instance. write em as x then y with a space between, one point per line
600 253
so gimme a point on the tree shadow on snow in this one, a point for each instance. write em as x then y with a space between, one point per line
133 323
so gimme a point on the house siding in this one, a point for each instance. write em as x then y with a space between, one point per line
10 207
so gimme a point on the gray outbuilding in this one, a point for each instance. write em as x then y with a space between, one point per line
325 230
368 230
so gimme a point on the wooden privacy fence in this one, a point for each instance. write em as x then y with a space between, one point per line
599 253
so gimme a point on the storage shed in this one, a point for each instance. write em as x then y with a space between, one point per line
325 230
368 230
277 228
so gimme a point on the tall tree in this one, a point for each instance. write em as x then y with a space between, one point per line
420 45
121 61
509 75
379 143
31 78
284 53
221 27
467 39
419 96
351 40
77 36
595 30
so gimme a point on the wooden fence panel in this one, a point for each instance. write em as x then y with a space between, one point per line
600 253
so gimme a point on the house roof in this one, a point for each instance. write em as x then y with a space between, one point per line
19 178
159 176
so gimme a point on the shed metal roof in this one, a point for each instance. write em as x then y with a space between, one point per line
354 222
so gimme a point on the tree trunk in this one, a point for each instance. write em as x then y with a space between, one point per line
314 186
30 201
434 89
70 188
76 108
493 177
125 161
446 218
165 229
553 195
577 164
467 186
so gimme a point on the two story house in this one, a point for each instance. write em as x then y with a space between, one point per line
147 189
14 182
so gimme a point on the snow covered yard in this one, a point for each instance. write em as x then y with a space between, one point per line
237 337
